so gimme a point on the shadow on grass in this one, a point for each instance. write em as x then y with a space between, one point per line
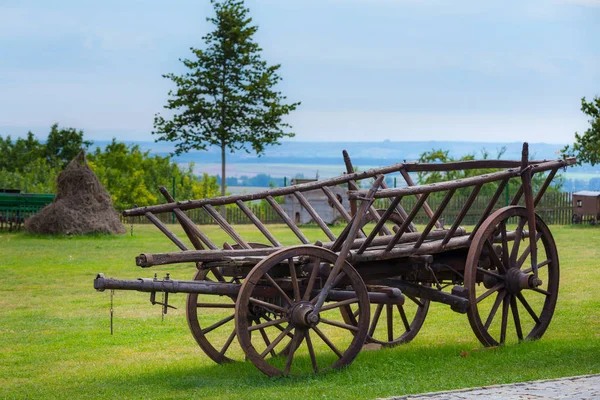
402 370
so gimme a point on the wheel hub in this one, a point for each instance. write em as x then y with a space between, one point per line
515 280
302 315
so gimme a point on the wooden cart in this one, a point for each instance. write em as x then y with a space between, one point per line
309 307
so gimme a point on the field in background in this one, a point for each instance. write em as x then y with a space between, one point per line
56 340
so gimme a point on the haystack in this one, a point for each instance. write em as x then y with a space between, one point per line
81 206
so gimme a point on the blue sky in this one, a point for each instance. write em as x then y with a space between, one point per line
364 70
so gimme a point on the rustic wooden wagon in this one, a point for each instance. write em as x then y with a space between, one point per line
293 309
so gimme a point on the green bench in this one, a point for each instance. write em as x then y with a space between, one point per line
15 208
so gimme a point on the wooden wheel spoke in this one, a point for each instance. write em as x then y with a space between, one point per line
338 304
276 341
490 273
296 342
311 279
335 282
494 257
268 306
517 241
279 289
540 265
327 341
505 255
496 287
277 325
339 324
295 285
541 291
528 308
311 351
527 251
390 321
403 316
494 309
215 305
228 343
504 318
375 319
265 337
218 324
517 320
415 300
272 322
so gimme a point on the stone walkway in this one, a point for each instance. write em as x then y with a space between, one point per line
585 387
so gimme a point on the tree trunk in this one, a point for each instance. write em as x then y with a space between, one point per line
223 209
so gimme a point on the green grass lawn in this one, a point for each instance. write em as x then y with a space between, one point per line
56 342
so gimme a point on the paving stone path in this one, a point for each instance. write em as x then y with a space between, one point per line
585 387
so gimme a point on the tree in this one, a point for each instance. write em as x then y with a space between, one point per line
64 144
587 146
227 98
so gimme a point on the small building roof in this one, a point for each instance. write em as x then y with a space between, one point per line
587 193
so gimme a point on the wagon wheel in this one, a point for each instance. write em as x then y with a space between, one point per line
283 289
499 279
392 325
213 326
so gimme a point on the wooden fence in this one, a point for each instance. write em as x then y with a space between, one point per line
554 208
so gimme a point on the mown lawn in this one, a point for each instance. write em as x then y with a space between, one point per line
56 342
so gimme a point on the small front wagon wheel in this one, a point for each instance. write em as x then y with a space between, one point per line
506 301
282 290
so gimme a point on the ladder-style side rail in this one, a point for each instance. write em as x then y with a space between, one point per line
382 221
162 227
288 221
545 186
426 207
259 225
433 221
314 215
490 206
411 216
463 212
183 220
339 207
226 226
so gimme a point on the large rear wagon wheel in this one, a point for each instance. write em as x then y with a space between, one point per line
284 289
506 302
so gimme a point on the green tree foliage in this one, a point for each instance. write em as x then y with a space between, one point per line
63 144
130 175
443 156
587 146
227 98
133 176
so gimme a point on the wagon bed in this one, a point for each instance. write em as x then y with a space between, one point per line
312 305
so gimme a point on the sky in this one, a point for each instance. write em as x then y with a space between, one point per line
364 70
